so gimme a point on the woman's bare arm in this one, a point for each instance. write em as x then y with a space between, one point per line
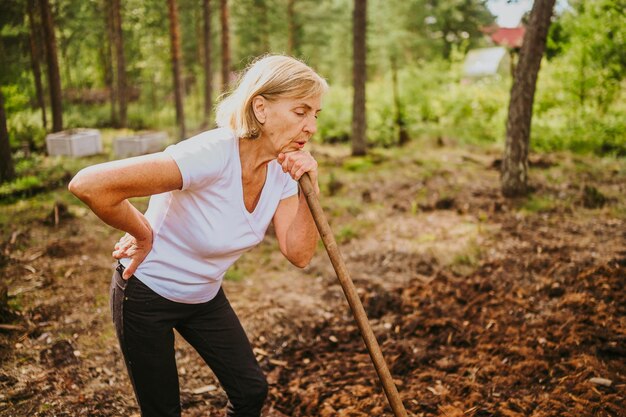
295 228
106 188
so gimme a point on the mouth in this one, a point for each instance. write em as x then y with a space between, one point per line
301 143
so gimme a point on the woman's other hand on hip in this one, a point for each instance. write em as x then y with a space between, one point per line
136 250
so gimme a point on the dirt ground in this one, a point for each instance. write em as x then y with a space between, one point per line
483 306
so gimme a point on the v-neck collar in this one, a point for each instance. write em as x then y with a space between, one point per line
241 199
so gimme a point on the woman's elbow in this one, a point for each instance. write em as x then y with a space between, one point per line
301 260
79 186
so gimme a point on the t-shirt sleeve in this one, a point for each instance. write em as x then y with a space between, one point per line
290 188
200 160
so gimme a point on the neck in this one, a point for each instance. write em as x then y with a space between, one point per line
254 154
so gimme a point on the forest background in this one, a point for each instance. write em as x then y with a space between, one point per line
579 103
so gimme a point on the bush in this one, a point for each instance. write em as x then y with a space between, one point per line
25 127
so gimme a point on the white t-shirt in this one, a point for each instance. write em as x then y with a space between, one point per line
202 229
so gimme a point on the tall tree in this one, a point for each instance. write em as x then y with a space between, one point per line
403 135
118 40
208 77
107 60
261 10
54 77
177 66
292 41
514 173
7 171
359 26
35 55
225 44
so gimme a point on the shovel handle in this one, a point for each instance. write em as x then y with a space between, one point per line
353 298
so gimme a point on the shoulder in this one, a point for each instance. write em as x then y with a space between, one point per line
203 157
216 144
210 139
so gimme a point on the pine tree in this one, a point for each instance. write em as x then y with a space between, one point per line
514 174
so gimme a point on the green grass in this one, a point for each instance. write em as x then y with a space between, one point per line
345 234
538 204
357 164
465 263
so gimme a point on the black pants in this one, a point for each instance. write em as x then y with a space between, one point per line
144 322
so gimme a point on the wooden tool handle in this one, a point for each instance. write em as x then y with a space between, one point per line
353 298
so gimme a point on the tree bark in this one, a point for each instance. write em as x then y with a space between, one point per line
7 171
292 41
208 77
261 6
359 26
118 37
403 135
225 44
54 77
514 173
35 55
109 77
177 66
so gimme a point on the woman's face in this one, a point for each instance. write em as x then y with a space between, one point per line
288 123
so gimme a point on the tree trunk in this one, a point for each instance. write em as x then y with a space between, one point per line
225 45
54 78
208 77
177 66
7 171
403 135
292 41
34 57
122 95
514 174
359 77
109 77
261 6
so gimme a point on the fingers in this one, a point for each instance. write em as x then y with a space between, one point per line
297 163
125 247
130 269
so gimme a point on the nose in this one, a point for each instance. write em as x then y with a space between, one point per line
311 125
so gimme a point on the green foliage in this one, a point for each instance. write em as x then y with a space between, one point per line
25 127
579 103
538 204
580 94
436 104
20 184
335 120
35 173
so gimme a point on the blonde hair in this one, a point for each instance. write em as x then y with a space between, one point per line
270 76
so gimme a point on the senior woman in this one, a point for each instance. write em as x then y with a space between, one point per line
213 197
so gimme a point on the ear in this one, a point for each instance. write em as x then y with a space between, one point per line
259 106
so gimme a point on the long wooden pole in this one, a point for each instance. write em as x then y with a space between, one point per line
353 298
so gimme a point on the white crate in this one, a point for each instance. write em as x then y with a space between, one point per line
140 144
74 142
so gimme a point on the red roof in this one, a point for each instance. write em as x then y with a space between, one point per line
508 37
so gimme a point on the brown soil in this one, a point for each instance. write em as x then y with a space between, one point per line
482 306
